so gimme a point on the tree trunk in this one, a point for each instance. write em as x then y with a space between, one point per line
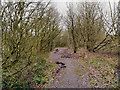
51 46
73 37
118 29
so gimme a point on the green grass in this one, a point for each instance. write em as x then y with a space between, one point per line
36 75
105 70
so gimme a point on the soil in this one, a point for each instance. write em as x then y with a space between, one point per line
83 69
68 73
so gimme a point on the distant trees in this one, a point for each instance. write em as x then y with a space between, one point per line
111 28
71 25
90 24
89 27
28 28
46 28
62 39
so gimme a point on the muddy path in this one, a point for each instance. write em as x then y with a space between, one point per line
71 73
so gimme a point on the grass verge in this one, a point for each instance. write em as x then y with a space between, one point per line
36 75
103 72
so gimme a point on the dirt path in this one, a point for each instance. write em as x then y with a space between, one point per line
73 75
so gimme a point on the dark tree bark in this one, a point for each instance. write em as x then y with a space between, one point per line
118 30
73 37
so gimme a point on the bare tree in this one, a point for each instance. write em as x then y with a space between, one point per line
27 28
118 31
118 25
71 25
89 26
110 28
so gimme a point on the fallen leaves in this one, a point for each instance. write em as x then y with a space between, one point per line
102 74
101 68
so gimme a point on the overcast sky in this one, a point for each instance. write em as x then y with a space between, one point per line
62 7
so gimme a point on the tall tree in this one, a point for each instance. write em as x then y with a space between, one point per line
118 29
89 24
71 25
118 25
27 28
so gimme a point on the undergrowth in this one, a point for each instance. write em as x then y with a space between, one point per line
103 72
36 75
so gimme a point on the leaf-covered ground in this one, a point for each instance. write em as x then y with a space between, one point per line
85 70
81 70
102 68
34 76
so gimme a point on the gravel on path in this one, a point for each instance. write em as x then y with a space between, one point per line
74 75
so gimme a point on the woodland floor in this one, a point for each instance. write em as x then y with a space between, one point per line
83 69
